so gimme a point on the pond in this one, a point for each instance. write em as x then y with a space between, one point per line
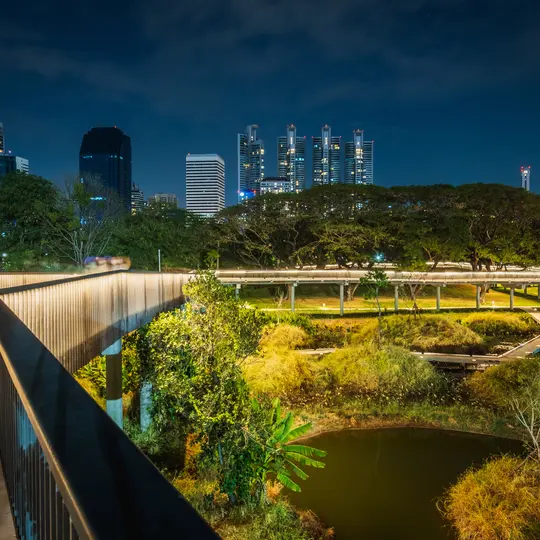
384 484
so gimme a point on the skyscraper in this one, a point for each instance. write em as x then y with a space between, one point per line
137 199
367 173
205 184
10 163
526 178
291 158
275 185
250 163
163 199
358 160
2 140
326 158
106 155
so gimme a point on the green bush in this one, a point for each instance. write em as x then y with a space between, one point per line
281 373
292 319
391 372
434 333
500 500
284 336
501 325
499 384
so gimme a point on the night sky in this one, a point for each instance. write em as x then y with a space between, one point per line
448 89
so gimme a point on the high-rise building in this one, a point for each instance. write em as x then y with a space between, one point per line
326 158
250 163
137 199
354 158
291 158
10 163
2 140
526 178
205 184
358 160
105 155
163 199
275 185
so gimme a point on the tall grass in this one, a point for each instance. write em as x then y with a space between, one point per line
501 325
433 333
499 501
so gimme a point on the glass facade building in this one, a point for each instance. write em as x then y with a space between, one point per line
250 163
291 155
2 140
10 163
358 160
326 158
275 185
105 155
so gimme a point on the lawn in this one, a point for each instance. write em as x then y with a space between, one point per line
325 298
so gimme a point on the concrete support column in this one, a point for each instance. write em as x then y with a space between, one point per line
438 298
525 289
341 299
237 290
538 285
396 298
511 297
113 355
478 290
146 405
293 291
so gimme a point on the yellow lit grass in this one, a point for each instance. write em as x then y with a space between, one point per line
499 501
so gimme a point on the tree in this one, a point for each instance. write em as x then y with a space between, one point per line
193 361
182 237
86 222
279 456
25 201
526 406
374 281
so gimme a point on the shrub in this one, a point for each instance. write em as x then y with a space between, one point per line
496 386
389 372
500 500
432 333
283 336
281 373
292 319
501 325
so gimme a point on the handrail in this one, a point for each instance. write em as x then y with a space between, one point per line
70 471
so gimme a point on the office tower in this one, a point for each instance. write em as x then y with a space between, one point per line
326 158
105 156
354 158
526 178
2 140
358 160
250 163
163 199
276 185
367 173
137 199
10 163
291 158
205 184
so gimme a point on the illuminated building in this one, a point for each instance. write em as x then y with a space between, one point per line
168 200
137 199
326 158
2 140
250 162
105 155
205 184
358 160
10 163
276 185
291 154
526 178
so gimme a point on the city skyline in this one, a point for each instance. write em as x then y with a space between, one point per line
461 74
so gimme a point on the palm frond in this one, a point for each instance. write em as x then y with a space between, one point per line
288 483
298 432
308 451
297 470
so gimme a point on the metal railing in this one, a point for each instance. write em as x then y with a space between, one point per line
70 471
79 317
17 279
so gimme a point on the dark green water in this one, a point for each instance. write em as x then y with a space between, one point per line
383 484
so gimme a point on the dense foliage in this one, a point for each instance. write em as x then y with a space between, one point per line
488 226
